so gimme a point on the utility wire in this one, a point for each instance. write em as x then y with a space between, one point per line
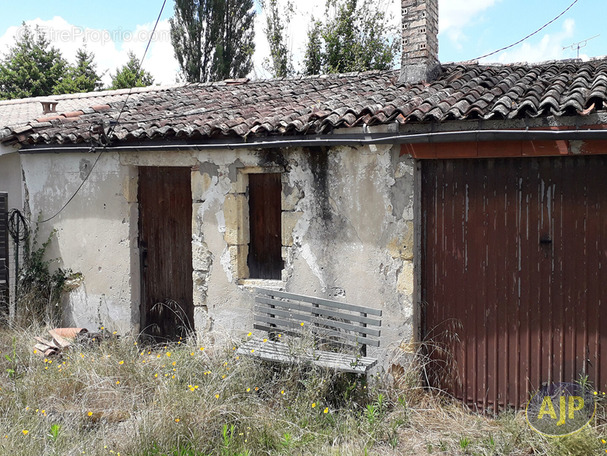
111 128
77 190
528 36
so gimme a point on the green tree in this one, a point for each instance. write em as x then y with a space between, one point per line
82 77
32 67
352 38
277 20
130 75
213 39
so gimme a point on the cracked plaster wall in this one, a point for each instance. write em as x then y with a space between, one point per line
347 225
93 236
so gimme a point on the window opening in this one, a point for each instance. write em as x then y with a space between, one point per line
265 255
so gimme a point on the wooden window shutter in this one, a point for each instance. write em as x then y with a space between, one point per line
4 294
265 256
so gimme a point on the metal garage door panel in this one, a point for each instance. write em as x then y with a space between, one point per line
515 256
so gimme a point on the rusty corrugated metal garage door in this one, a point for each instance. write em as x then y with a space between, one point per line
514 274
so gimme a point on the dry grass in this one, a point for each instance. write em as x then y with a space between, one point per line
196 398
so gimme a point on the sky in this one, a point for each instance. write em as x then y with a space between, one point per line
468 29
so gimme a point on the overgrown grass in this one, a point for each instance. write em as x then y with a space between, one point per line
193 398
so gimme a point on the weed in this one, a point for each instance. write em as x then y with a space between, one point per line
196 398
464 442
53 434
12 360
39 287
228 438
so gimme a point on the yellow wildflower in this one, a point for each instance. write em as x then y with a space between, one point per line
25 432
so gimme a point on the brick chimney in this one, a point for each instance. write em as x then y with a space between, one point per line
420 41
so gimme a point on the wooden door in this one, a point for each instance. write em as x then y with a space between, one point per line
514 275
165 243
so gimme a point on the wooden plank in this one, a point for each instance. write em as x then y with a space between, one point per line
318 310
319 321
280 352
352 345
320 301
294 325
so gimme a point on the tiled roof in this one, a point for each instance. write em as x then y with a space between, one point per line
317 105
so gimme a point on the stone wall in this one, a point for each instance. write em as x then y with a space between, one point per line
347 231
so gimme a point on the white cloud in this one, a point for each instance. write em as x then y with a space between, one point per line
456 15
550 47
110 47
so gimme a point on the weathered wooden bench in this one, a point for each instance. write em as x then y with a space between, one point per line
335 334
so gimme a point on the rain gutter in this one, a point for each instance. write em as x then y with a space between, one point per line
340 140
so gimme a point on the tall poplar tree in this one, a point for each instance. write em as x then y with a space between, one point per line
280 63
213 39
352 37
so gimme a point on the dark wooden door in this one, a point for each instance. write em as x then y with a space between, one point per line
514 275
265 256
165 242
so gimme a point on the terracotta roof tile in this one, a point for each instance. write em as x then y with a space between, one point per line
319 104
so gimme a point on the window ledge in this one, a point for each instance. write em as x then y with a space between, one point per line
268 284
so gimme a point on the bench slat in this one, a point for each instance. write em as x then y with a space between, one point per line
285 324
318 310
316 321
342 326
278 351
320 301
355 347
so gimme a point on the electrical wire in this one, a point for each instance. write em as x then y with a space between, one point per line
77 190
111 128
528 36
